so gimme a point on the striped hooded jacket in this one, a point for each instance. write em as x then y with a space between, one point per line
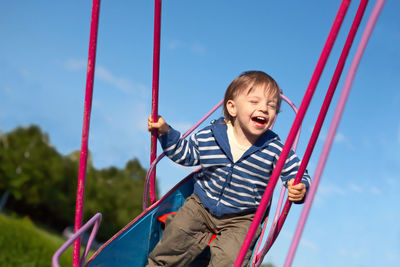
224 186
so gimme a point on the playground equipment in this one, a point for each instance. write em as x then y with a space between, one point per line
130 246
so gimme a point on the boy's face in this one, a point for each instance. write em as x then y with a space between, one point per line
254 112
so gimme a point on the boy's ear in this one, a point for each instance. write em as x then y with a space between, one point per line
231 108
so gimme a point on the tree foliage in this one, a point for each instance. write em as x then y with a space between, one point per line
42 184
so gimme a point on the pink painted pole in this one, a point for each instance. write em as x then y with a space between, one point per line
258 257
333 128
154 102
292 134
85 130
324 108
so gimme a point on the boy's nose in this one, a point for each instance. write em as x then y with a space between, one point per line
263 107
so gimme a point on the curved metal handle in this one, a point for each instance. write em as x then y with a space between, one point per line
96 219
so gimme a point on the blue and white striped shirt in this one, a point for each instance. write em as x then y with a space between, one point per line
225 186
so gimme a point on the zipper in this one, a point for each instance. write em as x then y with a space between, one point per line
227 180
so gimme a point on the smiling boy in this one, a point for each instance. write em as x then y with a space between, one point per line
237 154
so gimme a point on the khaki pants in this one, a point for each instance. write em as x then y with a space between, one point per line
188 233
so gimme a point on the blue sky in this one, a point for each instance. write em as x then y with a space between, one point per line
205 44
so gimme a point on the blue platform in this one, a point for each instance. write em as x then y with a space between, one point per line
131 245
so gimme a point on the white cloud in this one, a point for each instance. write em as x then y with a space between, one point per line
360 189
375 190
330 189
356 188
175 44
340 138
194 47
102 73
308 244
198 48
391 181
392 256
287 234
120 83
25 73
367 142
75 64
7 90
354 254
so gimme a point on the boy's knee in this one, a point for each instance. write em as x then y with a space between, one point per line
220 257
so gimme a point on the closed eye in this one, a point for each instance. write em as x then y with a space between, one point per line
271 104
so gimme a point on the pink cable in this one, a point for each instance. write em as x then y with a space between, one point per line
333 128
85 130
325 107
296 125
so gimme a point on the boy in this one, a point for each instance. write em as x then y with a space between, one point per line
237 154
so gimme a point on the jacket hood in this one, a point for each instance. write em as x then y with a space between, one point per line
218 128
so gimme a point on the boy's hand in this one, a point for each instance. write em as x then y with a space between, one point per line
296 192
160 125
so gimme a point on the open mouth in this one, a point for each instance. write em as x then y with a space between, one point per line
260 121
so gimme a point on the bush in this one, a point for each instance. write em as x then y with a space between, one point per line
24 244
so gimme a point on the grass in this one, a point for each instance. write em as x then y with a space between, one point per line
24 244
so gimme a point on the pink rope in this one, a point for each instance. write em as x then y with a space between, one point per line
85 130
333 128
296 125
325 107
154 102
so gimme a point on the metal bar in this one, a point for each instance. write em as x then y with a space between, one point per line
258 257
154 102
96 219
86 124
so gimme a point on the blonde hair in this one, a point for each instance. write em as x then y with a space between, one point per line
251 79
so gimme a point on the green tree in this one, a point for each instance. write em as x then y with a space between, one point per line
42 183
117 194
32 171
